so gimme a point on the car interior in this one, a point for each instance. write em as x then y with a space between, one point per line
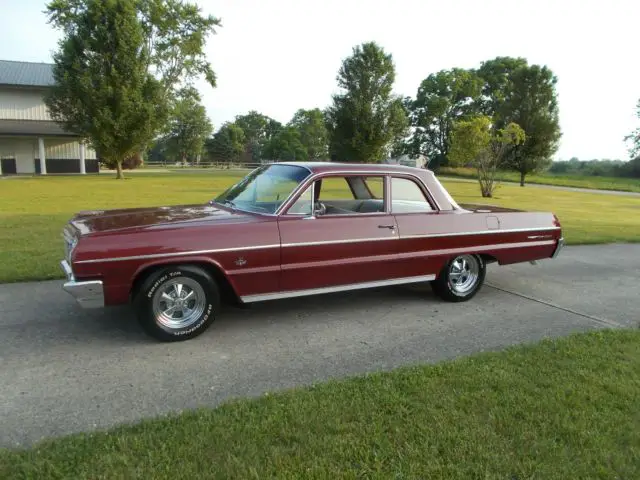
347 195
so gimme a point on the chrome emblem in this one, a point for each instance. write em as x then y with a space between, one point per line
241 261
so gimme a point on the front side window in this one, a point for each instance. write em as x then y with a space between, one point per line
304 204
264 189
407 197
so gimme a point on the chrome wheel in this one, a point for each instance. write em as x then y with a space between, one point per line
179 303
464 272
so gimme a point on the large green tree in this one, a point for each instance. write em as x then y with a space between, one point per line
366 117
515 92
313 132
188 127
443 98
175 33
258 129
227 144
170 36
478 141
286 145
103 90
634 137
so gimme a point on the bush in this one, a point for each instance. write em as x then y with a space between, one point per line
130 163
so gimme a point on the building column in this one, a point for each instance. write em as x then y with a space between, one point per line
43 160
83 167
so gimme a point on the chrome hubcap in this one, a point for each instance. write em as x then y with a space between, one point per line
463 273
179 303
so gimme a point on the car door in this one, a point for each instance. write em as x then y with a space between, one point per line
349 239
417 217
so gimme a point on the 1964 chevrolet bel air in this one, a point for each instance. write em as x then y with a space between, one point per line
293 229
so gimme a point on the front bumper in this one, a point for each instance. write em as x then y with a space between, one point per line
559 247
89 294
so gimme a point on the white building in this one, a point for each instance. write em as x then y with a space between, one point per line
30 142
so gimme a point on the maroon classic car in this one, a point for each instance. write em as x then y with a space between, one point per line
293 229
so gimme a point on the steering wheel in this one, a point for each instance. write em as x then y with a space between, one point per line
319 208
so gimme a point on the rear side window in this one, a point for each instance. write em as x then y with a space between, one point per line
407 197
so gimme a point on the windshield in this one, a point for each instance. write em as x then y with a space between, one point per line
264 189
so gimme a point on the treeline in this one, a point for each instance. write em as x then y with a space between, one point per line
254 137
599 168
367 122
135 96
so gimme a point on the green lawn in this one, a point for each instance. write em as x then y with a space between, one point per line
580 181
562 409
34 210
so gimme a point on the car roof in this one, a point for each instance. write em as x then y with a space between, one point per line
326 167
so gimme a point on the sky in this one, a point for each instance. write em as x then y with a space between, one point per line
276 56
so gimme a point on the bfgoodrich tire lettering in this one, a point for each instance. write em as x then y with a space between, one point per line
177 302
460 278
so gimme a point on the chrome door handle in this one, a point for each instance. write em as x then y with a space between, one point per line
391 227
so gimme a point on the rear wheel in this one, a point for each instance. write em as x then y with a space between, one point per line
177 303
461 278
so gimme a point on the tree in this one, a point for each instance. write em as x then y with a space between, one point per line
313 132
103 91
258 130
189 125
366 117
443 98
286 145
169 36
634 137
478 141
227 144
175 33
515 92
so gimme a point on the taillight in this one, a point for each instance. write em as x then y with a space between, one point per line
556 221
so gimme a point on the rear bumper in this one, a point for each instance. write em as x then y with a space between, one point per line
559 246
89 294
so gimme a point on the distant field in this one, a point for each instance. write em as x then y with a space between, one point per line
579 181
562 409
34 210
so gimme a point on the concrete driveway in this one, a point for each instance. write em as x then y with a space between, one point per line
66 370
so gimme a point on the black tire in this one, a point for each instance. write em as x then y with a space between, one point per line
196 311
445 284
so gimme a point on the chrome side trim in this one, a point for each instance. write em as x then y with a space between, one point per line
302 244
484 232
406 237
559 247
337 288
339 242
177 254
88 294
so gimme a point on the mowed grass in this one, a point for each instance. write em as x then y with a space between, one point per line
561 409
579 181
34 210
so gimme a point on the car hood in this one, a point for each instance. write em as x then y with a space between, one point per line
100 221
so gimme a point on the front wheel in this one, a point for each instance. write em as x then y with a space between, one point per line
460 279
177 303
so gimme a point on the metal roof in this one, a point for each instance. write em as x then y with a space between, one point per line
26 74
32 127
